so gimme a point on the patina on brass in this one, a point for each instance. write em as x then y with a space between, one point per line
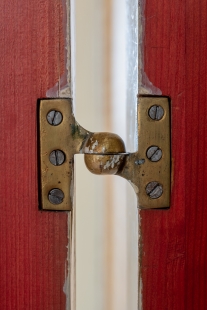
104 143
67 137
138 169
105 153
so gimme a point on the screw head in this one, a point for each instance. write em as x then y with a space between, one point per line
54 118
154 153
56 196
156 112
57 157
154 190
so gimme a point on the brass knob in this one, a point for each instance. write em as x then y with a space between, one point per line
104 153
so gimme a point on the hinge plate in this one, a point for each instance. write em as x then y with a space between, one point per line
55 138
66 137
140 170
147 170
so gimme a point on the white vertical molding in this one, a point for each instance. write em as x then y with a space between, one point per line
118 70
90 195
91 222
132 145
124 98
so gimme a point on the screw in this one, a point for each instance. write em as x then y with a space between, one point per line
156 112
56 196
154 190
154 153
54 118
57 157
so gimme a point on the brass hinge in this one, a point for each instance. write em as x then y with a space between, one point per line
61 137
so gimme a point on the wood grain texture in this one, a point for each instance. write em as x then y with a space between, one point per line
195 144
163 244
33 243
174 242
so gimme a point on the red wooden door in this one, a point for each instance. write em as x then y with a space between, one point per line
174 242
33 255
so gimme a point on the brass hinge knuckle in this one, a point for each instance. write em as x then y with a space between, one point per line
147 170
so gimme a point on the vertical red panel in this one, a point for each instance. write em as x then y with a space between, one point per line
33 243
174 241
196 154
163 231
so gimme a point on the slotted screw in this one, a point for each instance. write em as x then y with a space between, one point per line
57 157
154 153
156 112
54 118
56 196
154 190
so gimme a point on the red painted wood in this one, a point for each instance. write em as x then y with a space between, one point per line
174 242
33 243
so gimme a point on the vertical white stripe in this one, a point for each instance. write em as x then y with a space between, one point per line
90 195
124 98
90 192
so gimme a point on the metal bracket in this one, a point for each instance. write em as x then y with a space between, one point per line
61 137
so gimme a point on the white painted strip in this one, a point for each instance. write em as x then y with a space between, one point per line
94 232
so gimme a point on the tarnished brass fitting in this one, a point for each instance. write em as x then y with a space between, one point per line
104 153
147 170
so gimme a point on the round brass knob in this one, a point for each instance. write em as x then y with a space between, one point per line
104 153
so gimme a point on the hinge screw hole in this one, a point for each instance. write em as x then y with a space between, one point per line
156 112
54 117
56 196
154 153
154 190
57 157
